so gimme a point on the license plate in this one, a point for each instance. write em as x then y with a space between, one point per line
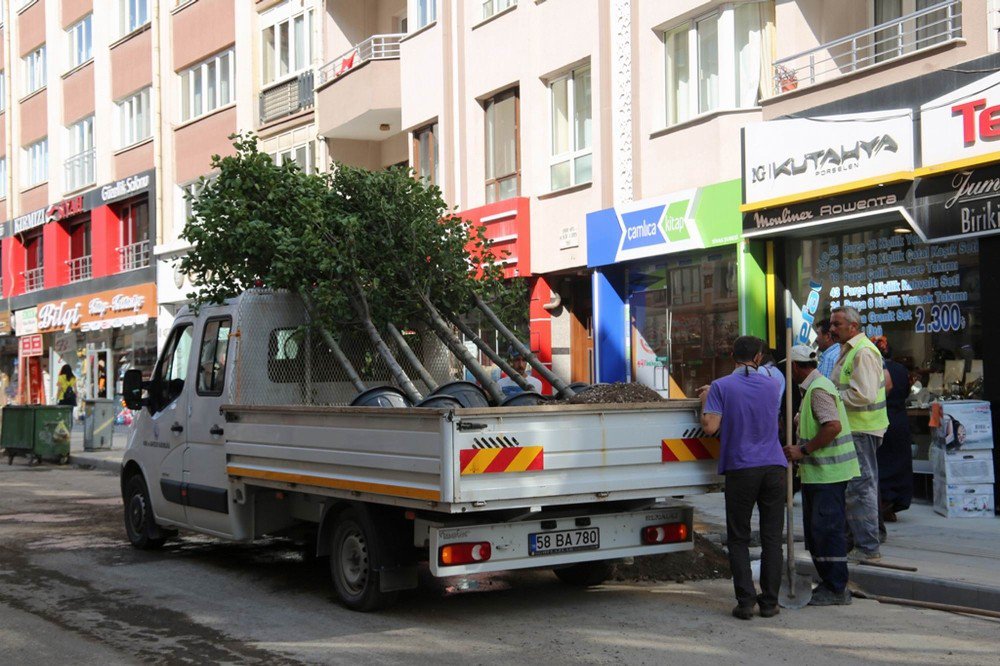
566 541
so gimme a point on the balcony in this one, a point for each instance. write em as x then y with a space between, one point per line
80 170
286 98
358 95
134 256
79 268
884 43
34 279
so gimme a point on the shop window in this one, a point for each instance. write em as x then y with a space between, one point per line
684 320
208 86
80 39
700 76
79 251
34 70
134 220
36 163
287 42
212 360
503 171
571 162
133 119
425 154
171 373
926 299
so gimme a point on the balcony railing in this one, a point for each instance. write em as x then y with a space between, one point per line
937 24
79 268
34 279
134 256
376 47
80 170
286 98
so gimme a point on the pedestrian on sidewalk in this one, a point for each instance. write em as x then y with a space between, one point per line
860 380
895 456
829 350
827 461
743 408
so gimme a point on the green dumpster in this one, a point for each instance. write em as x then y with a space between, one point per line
40 432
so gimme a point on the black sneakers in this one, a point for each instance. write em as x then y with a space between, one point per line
743 612
824 596
769 611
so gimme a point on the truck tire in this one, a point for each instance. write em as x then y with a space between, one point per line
356 557
585 574
142 530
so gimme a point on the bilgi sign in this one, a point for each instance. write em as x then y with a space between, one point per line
963 124
782 158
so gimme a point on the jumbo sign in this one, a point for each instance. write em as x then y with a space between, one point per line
116 308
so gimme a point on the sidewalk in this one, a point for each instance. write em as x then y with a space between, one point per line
957 559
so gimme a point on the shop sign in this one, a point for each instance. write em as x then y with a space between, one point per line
116 308
65 209
26 321
29 345
5 323
692 219
569 237
803 156
28 221
827 210
963 204
53 213
121 189
963 124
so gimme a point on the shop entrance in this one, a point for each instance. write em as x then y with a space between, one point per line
99 371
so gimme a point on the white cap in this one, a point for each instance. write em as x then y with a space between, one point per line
803 354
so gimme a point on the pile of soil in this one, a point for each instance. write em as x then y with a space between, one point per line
707 561
616 393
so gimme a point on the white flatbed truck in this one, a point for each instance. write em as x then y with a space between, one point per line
468 490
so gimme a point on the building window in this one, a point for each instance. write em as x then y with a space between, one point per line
426 12
714 62
132 15
3 177
207 86
36 163
921 33
80 263
425 154
287 46
3 90
134 248
572 155
301 155
34 261
80 145
80 42
34 70
133 118
491 7
503 172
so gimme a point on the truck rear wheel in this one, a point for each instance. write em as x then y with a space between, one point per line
142 530
585 574
356 558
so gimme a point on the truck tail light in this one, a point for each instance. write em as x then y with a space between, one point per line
668 533
464 553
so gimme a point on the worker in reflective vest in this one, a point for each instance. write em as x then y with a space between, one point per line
827 461
860 378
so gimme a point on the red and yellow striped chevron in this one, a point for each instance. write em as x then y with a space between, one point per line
506 459
690 448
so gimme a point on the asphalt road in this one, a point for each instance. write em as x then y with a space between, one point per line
73 591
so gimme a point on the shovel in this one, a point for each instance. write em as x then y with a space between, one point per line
796 589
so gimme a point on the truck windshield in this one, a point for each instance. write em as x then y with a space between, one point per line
168 382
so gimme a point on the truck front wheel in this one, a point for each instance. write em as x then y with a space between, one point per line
585 574
356 559
142 530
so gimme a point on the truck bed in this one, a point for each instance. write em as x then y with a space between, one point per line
463 460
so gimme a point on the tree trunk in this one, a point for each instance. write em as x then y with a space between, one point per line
361 306
338 353
490 352
562 388
440 327
412 358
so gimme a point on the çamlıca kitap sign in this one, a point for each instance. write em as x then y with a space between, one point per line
693 219
793 157
962 125
115 308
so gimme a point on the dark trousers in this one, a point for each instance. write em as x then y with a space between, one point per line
824 518
765 488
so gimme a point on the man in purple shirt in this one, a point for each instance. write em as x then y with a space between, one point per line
743 408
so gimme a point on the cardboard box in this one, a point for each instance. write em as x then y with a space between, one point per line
965 425
963 501
962 466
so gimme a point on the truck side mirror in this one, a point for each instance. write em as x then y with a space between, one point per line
132 389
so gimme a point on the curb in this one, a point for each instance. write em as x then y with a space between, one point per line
98 461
